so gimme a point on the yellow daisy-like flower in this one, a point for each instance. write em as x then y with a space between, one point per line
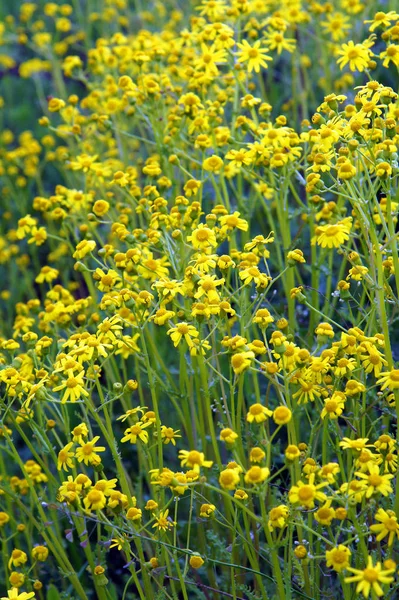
202 238
356 55
228 436
388 525
241 361
278 517
15 594
389 379
183 330
369 579
163 522
305 494
169 435
382 19
333 236
64 458
229 479
18 558
375 481
88 452
73 388
258 413
325 514
194 460
136 431
94 500
256 475
334 406
254 56
357 444
338 558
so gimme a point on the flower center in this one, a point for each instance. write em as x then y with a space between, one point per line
375 480
305 492
253 53
331 406
202 235
194 457
370 575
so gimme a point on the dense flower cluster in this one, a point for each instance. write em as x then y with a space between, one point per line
201 286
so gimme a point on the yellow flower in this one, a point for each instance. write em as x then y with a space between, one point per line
256 475
382 19
25 226
295 256
202 237
196 561
263 318
256 455
153 268
64 458
354 387
207 510
17 558
338 558
168 435
241 361
214 164
305 494
79 432
292 452
74 388
4 518
230 222
389 379
333 236
163 521
136 431
134 514
39 236
229 479
40 553
375 481
95 500
209 57
258 413
301 552
16 579
254 56
334 406
241 495
282 415
356 55
87 452
325 514
228 436
14 594
390 54
183 330
370 578
83 248
388 525
278 517
47 274
276 41
337 24
194 460
324 329
357 444
252 274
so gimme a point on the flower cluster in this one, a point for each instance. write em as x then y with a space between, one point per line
198 343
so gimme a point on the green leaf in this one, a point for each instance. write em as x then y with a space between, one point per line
52 593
